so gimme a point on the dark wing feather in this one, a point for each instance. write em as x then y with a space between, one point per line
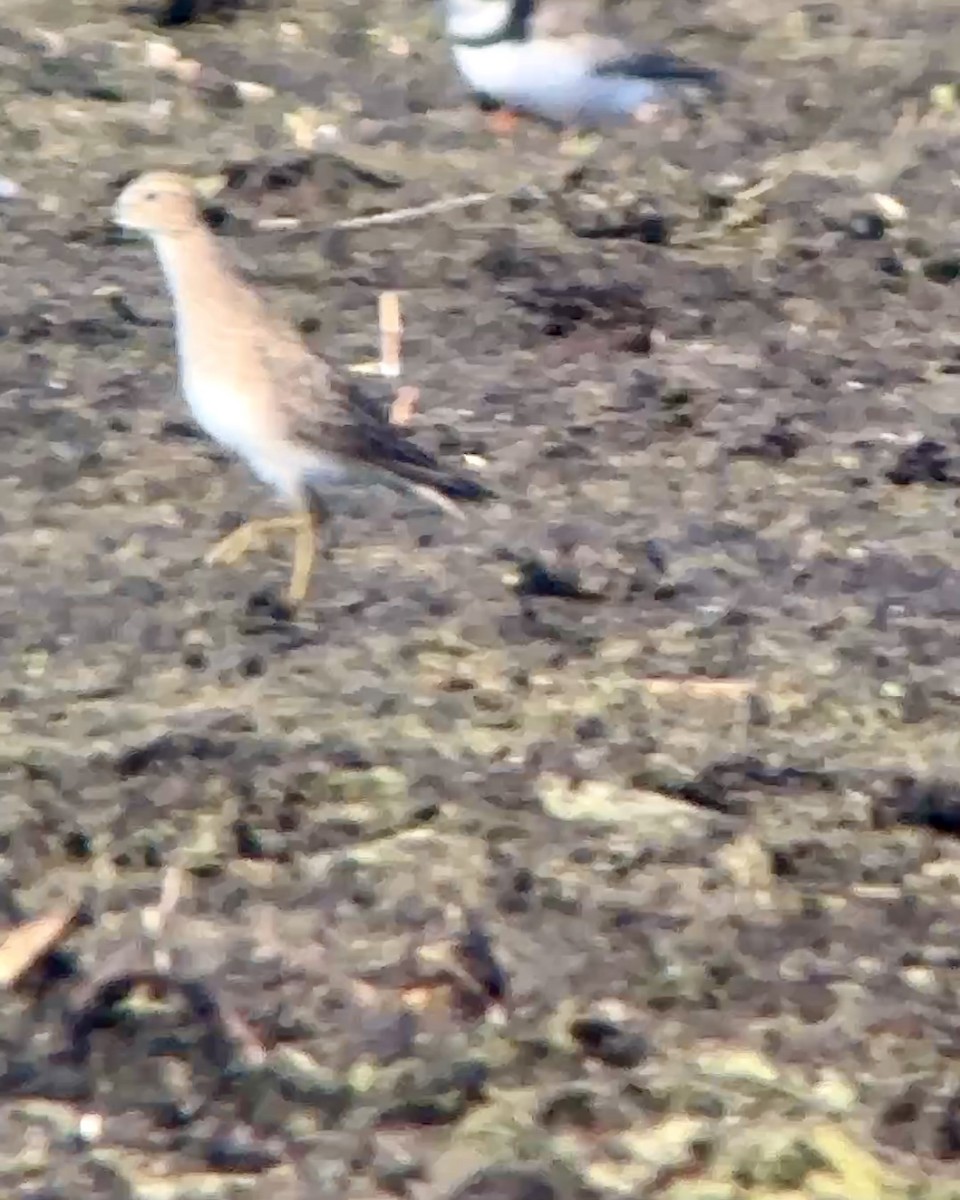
372 439
334 415
659 67
607 39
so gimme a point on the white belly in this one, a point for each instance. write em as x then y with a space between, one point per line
282 463
550 78
225 415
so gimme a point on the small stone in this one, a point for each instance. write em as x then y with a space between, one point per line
915 704
608 1042
927 461
890 265
653 230
161 56
942 270
867 226
254 92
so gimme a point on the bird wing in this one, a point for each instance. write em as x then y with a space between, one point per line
657 66
331 414
607 42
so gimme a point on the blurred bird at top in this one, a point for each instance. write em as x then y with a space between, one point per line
563 60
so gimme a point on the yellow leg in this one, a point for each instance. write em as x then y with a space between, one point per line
237 543
303 523
304 553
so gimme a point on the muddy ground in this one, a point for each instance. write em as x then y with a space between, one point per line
603 847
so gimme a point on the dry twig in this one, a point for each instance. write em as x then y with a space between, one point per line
24 945
401 215
390 363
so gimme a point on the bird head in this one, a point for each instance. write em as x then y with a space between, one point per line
159 202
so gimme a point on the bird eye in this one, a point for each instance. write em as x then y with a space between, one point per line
150 195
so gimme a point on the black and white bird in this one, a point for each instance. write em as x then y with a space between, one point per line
562 60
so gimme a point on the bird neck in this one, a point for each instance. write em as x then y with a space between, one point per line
516 28
200 282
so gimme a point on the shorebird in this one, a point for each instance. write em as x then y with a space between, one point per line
253 386
562 60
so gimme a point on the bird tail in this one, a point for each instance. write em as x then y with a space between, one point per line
668 69
709 81
439 488
432 496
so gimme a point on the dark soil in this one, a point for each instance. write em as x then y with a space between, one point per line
605 848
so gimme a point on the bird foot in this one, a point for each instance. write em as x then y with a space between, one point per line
232 547
503 122
244 538
238 543
304 555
